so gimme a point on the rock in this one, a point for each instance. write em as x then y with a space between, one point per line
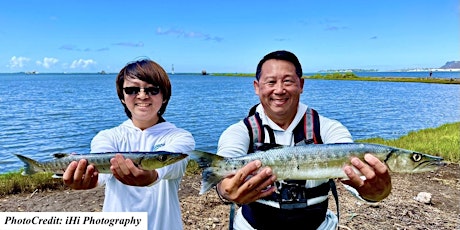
423 197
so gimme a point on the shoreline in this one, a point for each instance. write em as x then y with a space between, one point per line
399 210
375 139
353 77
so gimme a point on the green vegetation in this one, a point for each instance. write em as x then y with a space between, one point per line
442 141
12 183
192 168
334 76
352 76
234 74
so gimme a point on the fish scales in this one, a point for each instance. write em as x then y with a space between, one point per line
313 162
144 160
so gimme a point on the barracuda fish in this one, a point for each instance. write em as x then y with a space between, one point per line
312 162
144 160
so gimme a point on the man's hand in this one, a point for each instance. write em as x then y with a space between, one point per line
248 184
377 184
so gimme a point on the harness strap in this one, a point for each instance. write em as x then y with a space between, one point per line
308 129
306 132
255 130
271 134
301 131
336 197
231 216
315 126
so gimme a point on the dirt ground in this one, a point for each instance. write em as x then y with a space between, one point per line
399 211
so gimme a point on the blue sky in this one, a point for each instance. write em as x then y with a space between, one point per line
226 36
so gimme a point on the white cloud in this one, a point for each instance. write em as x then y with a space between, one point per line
47 62
82 63
18 61
188 34
131 44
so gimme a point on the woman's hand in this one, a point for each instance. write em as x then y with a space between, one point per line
79 175
127 173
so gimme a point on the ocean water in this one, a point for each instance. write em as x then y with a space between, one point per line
45 114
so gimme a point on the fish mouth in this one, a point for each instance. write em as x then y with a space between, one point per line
183 156
177 158
429 165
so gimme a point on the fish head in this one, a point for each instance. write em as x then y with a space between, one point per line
407 161
160 159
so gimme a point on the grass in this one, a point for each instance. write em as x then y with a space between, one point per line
353 77
14 182
442 141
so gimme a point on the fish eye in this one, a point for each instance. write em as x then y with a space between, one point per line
163 158
416 157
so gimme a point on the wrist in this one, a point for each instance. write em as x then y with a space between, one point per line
155 178
221 197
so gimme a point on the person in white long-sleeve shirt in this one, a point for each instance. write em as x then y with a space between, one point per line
295 204
144 90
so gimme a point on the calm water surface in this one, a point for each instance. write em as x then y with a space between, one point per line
49 113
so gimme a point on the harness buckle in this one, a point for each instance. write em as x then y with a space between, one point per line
292 195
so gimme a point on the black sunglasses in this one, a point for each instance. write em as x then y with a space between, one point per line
154 90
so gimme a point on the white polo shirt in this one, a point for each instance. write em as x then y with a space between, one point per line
160 200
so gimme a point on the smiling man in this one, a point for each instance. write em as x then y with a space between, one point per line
282 119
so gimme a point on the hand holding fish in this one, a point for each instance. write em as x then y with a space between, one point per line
317 162
127 173
248 184
79 175
377 183
80 171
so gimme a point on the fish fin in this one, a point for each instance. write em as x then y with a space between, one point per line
205 161
266 146
31 166
60 155
209 179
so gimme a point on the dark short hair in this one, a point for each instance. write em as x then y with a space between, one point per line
280 55
148 71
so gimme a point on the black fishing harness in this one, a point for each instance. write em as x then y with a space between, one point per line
292 195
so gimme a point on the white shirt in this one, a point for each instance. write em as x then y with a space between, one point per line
235 141
161 200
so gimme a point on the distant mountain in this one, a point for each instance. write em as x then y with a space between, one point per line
451 65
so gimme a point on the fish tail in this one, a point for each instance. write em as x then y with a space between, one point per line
31 166
205 160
